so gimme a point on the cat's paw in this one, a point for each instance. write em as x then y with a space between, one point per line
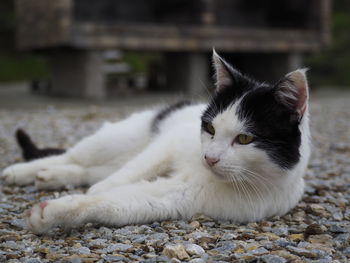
18 174
48 214
40 218
67 211
49 179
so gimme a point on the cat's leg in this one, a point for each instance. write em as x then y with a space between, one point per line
60 176
130 204
99 154
25 173
152 162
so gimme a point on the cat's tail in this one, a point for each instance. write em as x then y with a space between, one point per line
30 151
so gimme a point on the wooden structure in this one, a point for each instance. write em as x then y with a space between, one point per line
259 35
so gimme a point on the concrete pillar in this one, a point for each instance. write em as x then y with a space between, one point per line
95 79
77 74
188 72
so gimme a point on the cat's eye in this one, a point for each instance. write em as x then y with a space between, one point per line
244 139
210 129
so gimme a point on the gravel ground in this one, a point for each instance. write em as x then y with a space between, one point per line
317 230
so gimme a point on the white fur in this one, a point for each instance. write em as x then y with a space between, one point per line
130 164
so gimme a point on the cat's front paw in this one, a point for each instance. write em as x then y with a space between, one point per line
64 211
40 218
48 179
18 174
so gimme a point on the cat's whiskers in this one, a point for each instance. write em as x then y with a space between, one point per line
258 177
235 185
247 194
256 190
248 181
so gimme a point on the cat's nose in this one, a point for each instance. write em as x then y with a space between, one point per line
211 160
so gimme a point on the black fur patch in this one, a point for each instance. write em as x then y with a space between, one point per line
227 96
166 112
274 125
30 151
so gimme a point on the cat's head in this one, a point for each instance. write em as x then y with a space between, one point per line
252 129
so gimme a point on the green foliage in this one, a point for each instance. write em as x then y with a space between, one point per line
15 67
140 61
331 66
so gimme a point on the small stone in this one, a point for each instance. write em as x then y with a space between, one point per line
73 259
197 260
32 260
317 210
225 246
118 247
105 232
272 259
337 229
280 231
111 258
346 251
202 218
259 251
228 236
176 251
283 242
270 236
195 224
302 252
202 237
338 216
98 243
321 239
296 237
285 254
12 245
194 250
82 250
314 229
20 223
342 240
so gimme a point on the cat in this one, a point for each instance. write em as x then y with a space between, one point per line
241 157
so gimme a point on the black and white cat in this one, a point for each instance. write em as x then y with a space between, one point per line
241 157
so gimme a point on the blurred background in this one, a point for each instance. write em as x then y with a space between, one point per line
114 49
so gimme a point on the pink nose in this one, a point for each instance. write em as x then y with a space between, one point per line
211 161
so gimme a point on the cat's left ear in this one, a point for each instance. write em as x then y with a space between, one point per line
293 91
225 74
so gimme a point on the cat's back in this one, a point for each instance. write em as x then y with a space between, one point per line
184 119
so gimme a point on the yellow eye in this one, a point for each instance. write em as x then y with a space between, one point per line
210 129
244 139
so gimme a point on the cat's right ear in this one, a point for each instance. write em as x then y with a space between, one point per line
225 74
293 91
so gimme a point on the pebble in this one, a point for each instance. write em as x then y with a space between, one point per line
314 229
176 251
338 229
193 249
302 252
273 259
81 250
118 247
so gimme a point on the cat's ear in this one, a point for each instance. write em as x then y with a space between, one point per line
225 74
293 91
